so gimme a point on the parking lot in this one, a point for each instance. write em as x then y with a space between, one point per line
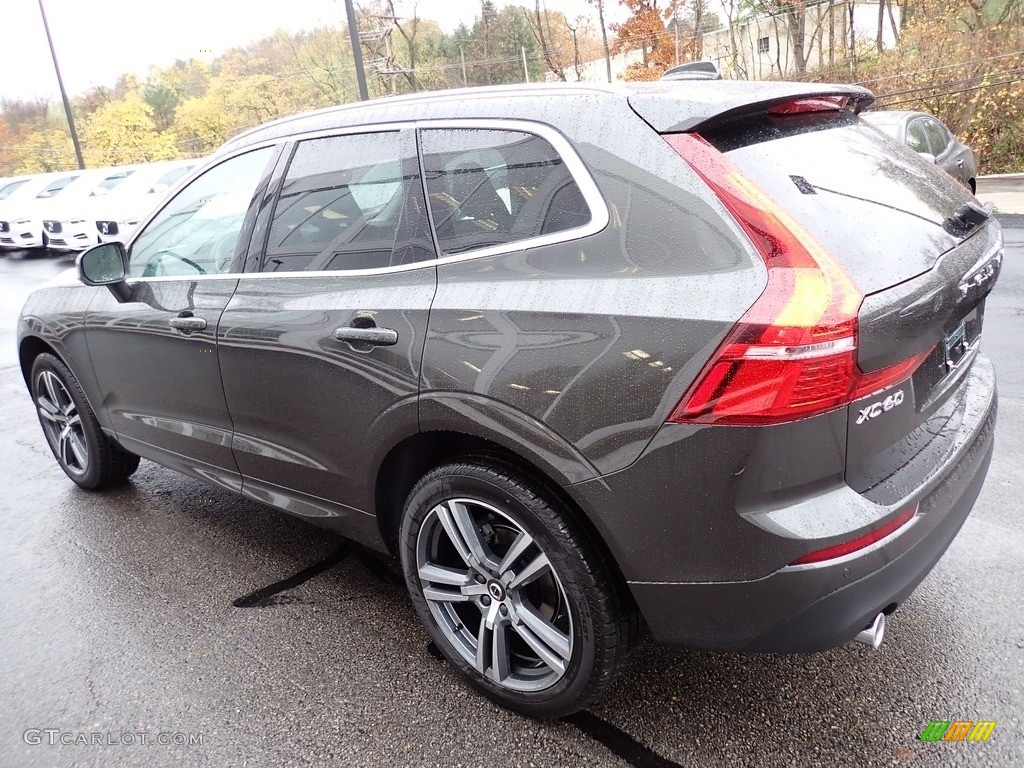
167 611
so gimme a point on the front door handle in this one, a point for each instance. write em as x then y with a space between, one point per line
188 324
380 337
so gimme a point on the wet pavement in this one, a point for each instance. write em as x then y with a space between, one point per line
123 643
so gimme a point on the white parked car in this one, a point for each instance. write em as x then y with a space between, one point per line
21 224
118 213
67 223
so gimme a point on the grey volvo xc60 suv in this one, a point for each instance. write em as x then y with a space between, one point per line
701 355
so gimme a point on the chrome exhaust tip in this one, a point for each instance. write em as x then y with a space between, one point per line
873 634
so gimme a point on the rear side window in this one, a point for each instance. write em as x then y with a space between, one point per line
938 137
496 187
340 206
917 140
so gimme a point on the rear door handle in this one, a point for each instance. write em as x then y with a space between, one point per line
381 337
188 324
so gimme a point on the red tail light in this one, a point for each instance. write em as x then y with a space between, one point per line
793 354
810 104
861 542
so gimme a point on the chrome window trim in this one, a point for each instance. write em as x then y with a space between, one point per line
599 214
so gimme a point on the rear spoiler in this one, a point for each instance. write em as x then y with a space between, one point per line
683 106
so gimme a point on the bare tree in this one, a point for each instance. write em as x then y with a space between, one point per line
599 5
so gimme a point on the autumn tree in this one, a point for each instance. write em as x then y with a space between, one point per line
645 29
123 132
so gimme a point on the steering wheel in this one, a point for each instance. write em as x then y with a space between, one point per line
154 262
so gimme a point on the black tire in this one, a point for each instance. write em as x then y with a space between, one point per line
85 454
576 594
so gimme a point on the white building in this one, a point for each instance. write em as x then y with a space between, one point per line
762 47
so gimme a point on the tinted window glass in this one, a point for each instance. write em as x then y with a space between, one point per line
491 187
169 179
56 187
916 138
340 205
109 183
938 137
197 231
6 190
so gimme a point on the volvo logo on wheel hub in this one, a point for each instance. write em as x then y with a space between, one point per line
496 591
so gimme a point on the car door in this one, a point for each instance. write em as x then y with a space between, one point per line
320 350
155 355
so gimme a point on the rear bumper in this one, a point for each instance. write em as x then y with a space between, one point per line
817 608
810 607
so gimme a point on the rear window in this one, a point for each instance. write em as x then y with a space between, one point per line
497 187
868 199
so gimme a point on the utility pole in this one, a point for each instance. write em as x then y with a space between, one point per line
357 51
462 55
63 93
526 72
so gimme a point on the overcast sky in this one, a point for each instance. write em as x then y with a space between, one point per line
97 40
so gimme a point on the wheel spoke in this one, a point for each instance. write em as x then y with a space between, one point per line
48 412
439 595
64 447
444 514
483 648
538 646
48 381
470 531
79 449
74 420
439 574
547 632
501 661
537 567
519 546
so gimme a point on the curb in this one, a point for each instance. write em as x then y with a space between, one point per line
1010 220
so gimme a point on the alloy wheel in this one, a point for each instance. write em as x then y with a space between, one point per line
494 594
62 422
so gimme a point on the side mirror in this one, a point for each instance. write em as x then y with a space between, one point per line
929 158
106 264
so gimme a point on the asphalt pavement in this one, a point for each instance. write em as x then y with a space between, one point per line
166 623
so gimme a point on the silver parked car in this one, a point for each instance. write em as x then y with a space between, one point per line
927 136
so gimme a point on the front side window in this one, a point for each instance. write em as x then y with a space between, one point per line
340 206
197 231
497 187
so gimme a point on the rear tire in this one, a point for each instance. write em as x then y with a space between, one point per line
85 454
517 599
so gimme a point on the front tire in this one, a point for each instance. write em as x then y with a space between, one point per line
514 597
85 454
